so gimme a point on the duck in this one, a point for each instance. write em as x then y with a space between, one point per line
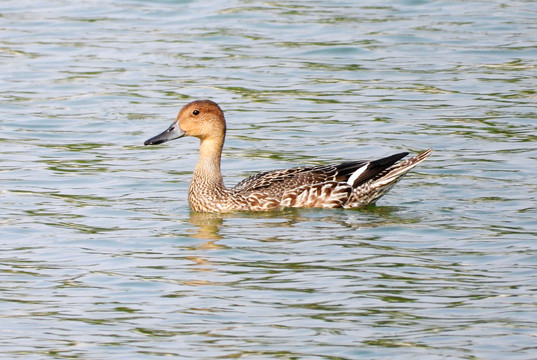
347 185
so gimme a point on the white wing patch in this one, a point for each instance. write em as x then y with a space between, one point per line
357 173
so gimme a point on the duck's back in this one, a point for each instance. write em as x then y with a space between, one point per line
328 186
276 182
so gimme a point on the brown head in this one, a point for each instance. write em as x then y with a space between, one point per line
201 118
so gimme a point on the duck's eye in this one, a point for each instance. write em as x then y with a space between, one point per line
195 112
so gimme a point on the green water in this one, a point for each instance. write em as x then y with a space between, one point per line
101 257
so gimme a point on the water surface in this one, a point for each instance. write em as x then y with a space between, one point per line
101 256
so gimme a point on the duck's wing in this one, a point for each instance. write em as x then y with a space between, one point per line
282 179
354 173
356 185
357 173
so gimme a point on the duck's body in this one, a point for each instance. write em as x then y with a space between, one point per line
348 185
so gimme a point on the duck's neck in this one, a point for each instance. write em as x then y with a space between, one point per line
207 175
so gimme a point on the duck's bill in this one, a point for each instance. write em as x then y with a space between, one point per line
173 132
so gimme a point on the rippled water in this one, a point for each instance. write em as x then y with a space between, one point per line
101 257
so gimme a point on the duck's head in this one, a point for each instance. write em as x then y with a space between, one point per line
201 118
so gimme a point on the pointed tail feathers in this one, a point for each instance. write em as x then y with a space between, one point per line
372 169
375 187
395 172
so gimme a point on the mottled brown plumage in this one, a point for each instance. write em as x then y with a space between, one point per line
347 185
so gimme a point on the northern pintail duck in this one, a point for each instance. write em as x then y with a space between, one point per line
352 184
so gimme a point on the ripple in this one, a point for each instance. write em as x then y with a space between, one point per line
102 257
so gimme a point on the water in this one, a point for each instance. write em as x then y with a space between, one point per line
101 257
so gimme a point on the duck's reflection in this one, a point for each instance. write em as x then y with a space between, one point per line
283 225
208 227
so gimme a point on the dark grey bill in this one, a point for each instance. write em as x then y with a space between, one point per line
173 132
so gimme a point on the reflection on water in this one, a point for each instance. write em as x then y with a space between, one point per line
101 256
207 226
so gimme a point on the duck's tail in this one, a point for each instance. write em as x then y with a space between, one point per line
370 191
